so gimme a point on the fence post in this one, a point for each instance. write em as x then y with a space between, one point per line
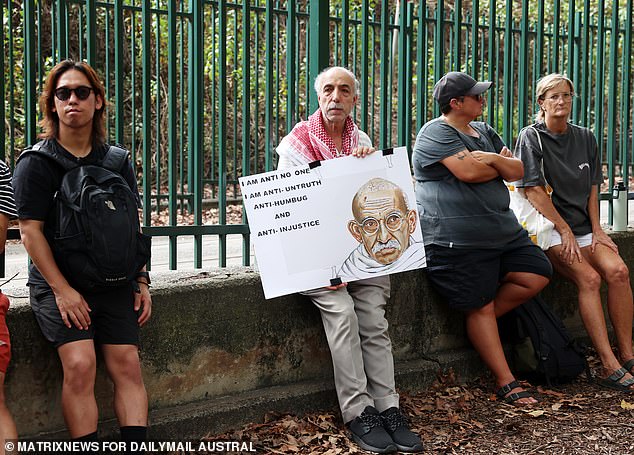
118 70
58 26
146 39
522 91
457 36
491 99
172 109
585 90
196 120
600 77
319 48
421 66
507 93
222 126
404 112
626 93
555 68
571 39
2 93
612 152
269 96
91 33
291 114
475 38
439 46
246 113
30 95
345 29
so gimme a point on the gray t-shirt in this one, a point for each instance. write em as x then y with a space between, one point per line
454 213
571 164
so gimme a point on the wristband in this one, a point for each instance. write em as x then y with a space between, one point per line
145 283
145 275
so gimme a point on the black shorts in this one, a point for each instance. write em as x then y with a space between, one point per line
469 278
112 317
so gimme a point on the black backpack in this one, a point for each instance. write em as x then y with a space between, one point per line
97 242
542 350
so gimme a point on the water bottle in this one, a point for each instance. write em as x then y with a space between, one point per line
619 207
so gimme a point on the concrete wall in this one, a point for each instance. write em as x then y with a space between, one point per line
217 354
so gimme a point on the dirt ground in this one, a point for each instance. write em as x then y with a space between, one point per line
453 418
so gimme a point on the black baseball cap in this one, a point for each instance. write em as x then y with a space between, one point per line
455 84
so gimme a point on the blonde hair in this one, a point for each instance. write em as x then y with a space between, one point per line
549 82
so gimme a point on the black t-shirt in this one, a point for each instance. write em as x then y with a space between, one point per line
36 179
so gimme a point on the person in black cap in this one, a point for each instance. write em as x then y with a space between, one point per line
478 256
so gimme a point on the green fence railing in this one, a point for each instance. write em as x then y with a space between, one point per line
202 91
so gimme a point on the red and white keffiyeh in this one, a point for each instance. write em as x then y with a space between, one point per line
312 142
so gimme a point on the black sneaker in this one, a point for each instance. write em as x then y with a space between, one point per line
397 426
368 432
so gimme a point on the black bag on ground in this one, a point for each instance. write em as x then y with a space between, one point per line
97 243
542 350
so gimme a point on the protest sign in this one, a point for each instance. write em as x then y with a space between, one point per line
333 221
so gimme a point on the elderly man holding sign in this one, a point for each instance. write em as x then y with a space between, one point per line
353 314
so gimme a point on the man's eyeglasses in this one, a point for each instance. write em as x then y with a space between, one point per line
82 92
392 222
560 96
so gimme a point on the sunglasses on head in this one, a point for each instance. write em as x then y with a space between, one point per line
82 92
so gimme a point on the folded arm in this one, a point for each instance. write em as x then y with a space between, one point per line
464 166
508 167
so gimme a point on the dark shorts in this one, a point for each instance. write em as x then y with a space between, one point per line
469 278
5 342
112 316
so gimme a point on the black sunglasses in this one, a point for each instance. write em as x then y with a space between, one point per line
476 98
82 92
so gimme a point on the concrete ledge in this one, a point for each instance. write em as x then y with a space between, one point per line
216 354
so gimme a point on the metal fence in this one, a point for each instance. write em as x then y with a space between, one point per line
202 91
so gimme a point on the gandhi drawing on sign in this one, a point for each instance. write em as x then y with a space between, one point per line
383 225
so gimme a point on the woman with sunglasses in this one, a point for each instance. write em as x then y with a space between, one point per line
580 250
478 257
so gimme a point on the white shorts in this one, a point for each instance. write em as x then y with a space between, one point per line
582 240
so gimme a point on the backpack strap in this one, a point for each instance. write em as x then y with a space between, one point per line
116 159
40 148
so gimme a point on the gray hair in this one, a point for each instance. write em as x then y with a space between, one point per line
320 76
549 82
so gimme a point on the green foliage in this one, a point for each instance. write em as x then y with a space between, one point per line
383 111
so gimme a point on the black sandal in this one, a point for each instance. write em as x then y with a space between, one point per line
613 382
503 393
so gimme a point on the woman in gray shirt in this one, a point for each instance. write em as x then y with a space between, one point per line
580 250
478 257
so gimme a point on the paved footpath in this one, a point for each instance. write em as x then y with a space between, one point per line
16 257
